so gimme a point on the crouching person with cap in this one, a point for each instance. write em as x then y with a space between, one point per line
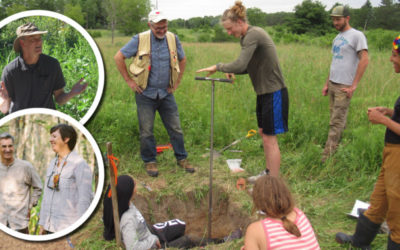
155 73
33 79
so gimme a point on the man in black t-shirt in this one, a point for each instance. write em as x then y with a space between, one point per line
33 79
385 199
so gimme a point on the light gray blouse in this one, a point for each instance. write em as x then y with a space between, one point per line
134 231
61 208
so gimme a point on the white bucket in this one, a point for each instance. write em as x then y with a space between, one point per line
234 165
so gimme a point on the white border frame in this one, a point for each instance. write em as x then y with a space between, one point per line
99 188
93 45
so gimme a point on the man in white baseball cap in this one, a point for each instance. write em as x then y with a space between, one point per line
155 73
33 79
156 16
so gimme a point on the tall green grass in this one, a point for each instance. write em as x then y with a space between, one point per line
324 191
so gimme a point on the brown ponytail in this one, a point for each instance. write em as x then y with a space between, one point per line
271 195
235 13
290 227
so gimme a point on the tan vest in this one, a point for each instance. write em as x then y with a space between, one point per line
141 64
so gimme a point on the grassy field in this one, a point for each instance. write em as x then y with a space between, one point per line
325 192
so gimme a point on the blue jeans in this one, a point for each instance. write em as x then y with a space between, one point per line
168 110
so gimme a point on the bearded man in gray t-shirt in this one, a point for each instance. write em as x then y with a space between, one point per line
349 61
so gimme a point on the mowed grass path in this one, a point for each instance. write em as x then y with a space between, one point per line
325 192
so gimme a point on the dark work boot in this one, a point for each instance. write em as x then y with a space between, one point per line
186 165
392 245
365 233
151 169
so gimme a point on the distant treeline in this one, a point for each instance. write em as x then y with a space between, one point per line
310 24
129 16
125 15
310 17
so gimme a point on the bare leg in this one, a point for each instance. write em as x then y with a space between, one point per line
271 152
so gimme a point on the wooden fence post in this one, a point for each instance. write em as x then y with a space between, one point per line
114 198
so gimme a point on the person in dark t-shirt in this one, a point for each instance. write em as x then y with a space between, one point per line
385 199
259 59
33 79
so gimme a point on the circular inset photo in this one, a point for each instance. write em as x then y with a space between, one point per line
51 174
48 60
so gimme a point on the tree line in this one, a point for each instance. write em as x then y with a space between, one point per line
126 15
310 17
129 16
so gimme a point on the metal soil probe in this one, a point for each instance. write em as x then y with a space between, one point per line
213 80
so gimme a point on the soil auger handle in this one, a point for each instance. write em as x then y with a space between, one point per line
213 79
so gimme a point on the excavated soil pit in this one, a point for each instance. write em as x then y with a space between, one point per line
193 209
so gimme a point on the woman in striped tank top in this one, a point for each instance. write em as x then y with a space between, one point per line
284 225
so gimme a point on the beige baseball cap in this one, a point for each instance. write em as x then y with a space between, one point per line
156 16
28 29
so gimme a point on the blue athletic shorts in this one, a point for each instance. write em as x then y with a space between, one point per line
273 112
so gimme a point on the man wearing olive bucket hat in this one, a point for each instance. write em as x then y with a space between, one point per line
33 79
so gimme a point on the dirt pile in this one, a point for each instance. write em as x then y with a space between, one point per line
192 208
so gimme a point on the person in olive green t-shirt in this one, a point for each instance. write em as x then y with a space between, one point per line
259 59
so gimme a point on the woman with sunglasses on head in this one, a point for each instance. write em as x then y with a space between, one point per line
284 226
68 183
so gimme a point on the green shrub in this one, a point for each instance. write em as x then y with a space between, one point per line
94 33
381 39
204 37
221 36
378 39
